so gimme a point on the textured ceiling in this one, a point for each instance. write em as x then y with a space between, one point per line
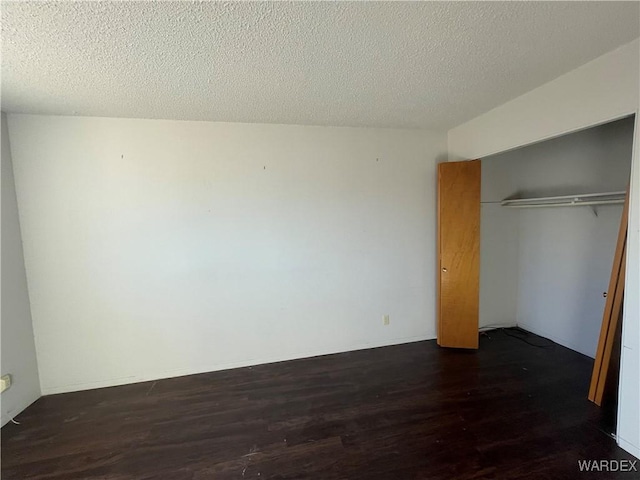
394 64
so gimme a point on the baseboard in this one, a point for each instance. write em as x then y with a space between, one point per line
181 372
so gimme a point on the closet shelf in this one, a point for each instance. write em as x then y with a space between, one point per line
588 199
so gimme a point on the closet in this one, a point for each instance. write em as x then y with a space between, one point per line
549 219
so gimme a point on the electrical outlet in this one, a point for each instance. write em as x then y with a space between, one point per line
5 382
385 320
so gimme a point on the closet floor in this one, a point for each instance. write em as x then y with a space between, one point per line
414 411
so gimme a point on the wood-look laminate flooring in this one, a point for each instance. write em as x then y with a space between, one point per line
413 411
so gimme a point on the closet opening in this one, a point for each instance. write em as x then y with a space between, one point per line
549 220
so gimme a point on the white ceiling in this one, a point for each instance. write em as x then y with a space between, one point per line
394 64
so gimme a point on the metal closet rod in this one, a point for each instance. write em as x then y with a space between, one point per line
592 199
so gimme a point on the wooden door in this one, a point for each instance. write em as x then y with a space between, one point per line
612 313
458 253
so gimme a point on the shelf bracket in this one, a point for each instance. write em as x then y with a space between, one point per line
594 210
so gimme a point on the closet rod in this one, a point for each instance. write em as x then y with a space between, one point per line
588 199
573 204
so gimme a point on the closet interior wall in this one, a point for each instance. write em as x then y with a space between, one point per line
545 269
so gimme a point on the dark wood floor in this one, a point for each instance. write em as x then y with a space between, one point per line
415 411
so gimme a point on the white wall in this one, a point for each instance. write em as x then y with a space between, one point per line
499 241
564 254
160 248
599 91
18 349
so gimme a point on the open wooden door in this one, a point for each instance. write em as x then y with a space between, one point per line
458 253
612 312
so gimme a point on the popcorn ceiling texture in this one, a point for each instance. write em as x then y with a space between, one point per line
395 64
